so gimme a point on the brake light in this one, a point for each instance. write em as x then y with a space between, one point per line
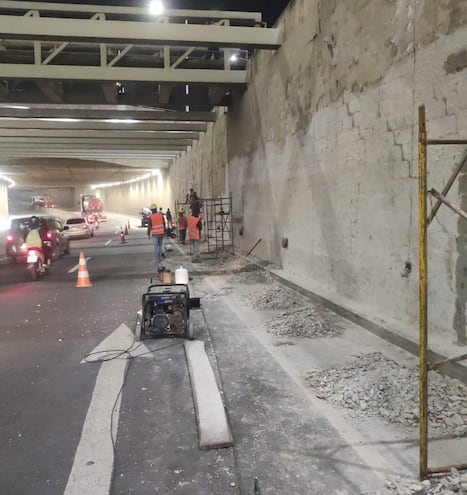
49 235
9 238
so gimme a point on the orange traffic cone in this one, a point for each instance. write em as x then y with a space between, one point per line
83 275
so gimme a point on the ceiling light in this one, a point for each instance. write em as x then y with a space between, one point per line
17 107
156 7
234 57
121 121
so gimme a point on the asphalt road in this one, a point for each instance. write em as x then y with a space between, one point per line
141 438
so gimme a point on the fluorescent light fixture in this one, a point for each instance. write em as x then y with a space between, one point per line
60 120
123 182
156 7
17 107
121 121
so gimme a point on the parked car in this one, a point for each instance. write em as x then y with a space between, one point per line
78 227
145 214
16 249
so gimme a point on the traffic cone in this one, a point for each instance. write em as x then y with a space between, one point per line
128 224
126 229
83 275
122 237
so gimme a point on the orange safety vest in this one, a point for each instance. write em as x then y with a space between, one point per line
193 231
182 223
157 224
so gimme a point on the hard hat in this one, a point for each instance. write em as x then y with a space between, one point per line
153 206
181 210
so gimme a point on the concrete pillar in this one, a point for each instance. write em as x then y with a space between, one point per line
4 213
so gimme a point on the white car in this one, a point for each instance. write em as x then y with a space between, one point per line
77 227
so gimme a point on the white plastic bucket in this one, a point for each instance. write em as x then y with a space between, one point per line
181 275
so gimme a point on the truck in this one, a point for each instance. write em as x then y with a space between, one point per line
91 205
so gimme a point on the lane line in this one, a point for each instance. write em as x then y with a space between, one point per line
71 270
92 469
108 242
91 473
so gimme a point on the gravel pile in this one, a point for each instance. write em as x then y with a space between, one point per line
304 322
453 483
257 276
375 386
275 296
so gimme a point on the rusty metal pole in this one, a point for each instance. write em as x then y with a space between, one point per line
423 300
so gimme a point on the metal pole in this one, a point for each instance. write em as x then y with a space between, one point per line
423 300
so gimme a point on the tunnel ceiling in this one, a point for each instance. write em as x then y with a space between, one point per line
92 93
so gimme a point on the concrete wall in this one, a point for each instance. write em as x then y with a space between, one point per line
322 149
130 198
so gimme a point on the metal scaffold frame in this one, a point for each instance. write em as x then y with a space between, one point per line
217 219
424 222
219 227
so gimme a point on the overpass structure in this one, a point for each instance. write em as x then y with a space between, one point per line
90 93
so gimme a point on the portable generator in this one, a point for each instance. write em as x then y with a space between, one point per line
166 312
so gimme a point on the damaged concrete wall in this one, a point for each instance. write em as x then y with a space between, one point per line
322 150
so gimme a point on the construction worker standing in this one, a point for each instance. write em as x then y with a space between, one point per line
194 235
181 225
156 230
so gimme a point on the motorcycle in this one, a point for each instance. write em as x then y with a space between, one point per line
36 262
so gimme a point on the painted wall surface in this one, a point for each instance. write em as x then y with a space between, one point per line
322 149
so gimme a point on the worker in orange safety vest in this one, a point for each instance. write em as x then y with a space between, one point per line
194 222
156 230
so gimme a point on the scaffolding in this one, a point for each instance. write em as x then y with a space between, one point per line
424 222
218 226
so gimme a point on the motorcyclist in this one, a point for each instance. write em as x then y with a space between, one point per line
37 238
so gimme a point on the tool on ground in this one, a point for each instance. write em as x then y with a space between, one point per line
166 312
83 275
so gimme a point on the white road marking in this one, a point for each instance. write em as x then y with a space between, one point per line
108 242
91 473
71 270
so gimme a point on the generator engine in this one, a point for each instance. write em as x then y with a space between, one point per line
166 311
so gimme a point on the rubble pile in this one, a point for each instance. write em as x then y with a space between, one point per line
257 276
453 483
304 322
275 296
373 385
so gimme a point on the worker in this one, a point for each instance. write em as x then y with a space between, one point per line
194 235
196 204
182 225
156 230
168 217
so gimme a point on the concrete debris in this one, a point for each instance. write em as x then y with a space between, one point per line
304 322
258 276
275 296
449 484
373 385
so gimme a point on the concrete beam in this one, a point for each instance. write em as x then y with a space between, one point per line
47 112
106 135
139 11
98 125
125 74
143 33
53 143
